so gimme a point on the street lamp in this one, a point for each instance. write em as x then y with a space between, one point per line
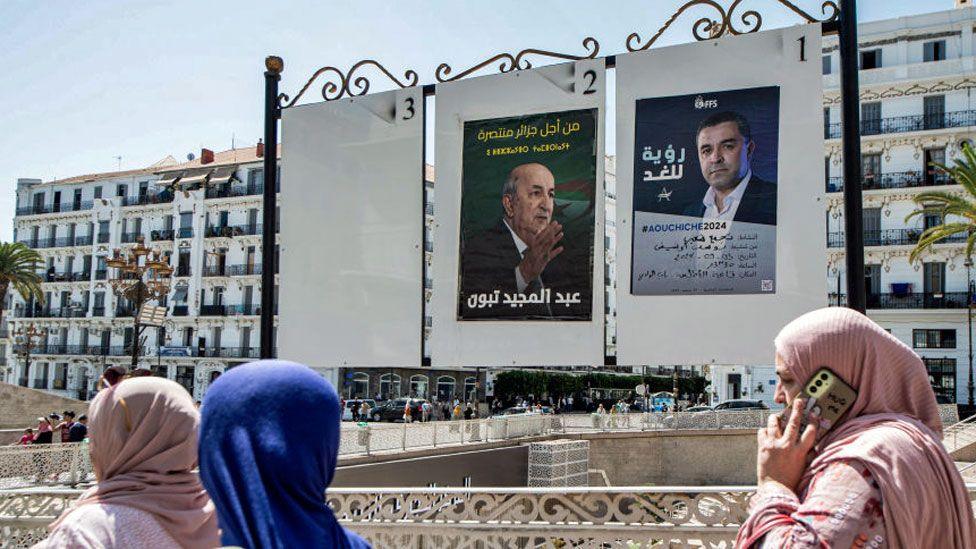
28 339
143 275
969 314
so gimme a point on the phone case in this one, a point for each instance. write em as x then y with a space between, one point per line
826 394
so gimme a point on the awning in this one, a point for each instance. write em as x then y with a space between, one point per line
168 178
223 174
195 177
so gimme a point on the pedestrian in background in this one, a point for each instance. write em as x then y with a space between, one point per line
45 432
79 430
27 437
65 426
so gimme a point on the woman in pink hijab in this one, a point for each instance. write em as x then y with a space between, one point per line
143 436
879 477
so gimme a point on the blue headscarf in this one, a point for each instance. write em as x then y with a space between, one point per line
269 441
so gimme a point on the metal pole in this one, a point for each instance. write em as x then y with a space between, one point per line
969 313
272 75
851 140
135 326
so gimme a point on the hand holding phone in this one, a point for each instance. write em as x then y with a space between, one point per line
826 395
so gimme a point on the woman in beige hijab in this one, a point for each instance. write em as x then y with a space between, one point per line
143 434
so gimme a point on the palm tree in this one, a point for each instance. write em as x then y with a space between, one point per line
962 172
18 268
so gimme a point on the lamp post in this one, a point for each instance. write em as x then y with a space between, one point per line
26 338
969 315
143 275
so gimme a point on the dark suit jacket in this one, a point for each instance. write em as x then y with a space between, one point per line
758 204
488 263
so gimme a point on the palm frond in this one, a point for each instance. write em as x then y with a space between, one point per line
18 268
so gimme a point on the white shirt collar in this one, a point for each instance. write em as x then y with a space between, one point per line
732 200
522 246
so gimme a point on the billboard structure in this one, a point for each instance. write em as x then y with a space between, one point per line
528 198
518 240
720 203
352 234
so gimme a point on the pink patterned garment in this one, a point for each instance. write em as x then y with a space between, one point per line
841 508
108 525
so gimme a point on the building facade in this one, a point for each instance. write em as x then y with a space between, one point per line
205 214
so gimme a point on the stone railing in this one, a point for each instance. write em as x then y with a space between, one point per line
45 464
484 517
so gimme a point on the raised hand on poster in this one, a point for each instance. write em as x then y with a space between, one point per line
541 250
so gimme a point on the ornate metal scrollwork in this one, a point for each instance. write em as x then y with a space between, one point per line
707 28
518 61
347 83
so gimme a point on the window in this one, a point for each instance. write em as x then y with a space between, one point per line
934 339
386 390
184 376
871 170
933 218
359 385
60 376
826 64
445 388
98 192
871 59
934 278
933 109
121 190
871 118
470 389
826 122
932 175
418 386
872 226
942 376
186 220
934 51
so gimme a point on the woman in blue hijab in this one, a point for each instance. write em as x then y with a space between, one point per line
269 440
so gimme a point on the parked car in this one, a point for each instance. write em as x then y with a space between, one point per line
741 404
392 410
700 409
350 404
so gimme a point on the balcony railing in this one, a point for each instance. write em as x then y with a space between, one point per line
89 350
947 300
888 237
103 238
245 310
893 180
227 191
50 312
244 270
98 311
122 311
234 230
213 310
162 235
128 238
183 270
154 197
214 270
55 208
184 232
181 310
913 123
67 277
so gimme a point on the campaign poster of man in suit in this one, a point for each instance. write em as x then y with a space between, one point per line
527 217
705 188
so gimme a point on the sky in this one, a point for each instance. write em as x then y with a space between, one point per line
95 86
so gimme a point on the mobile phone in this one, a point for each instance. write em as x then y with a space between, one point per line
826 394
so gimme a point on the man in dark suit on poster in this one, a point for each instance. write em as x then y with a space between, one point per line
725 151
512 256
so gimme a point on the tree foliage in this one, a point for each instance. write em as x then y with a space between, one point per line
963 172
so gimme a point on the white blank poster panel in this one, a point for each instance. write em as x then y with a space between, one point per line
352 231
729 329
498 342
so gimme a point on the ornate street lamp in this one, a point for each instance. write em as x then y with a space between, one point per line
143 275
28 339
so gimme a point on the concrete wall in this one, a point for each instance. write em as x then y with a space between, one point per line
691 458
20 407
493 467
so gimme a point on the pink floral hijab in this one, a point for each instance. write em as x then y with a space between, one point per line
893 428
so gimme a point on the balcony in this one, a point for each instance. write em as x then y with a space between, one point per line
183 270
232 231
103 238
947 300
913 123
181 310
98 311
162 235
213 310
244 270
125 311
50 312
129 238
893 180
233 352
76 206
888 237
83 240
67 277
184 232
154 197
214 270
243 310
228 191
